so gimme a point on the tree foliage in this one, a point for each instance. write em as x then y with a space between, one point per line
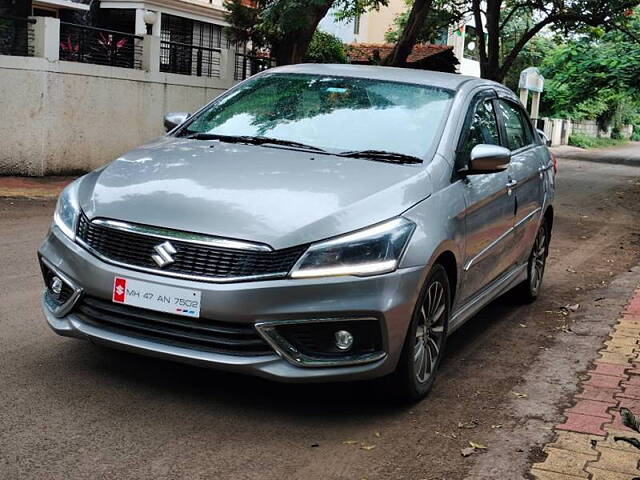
562 15
442 16
286 27
594 78
325 48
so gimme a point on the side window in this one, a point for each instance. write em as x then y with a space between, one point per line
517 128
483 129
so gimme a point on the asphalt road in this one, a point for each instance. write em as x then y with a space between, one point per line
71 410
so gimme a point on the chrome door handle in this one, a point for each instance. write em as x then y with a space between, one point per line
511 184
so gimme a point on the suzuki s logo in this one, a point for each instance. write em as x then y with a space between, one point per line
163 254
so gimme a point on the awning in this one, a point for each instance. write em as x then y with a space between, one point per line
67 4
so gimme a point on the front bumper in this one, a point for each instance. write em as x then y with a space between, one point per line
388 298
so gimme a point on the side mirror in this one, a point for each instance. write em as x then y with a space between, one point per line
544 137
172 120
489 159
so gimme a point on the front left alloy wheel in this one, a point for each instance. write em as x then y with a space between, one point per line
424 345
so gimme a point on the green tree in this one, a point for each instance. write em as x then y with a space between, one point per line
594 78
562 15
286 27
420 23
325 48
438 20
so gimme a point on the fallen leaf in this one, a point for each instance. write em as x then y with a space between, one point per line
478 446
377 434
572 307
520 395
522 325
368 447
571 270
471 424
467 451
496 426
349 442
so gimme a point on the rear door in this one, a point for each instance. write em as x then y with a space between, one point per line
489 203
524 174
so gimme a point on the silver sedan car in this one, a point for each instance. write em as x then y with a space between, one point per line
314 223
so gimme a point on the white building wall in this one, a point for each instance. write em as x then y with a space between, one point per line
341 29
60 117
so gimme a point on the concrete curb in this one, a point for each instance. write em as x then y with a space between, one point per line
46 188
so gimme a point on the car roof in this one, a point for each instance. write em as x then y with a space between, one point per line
451 81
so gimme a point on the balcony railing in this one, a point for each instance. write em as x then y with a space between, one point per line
248 65
81 43
16 36
185 59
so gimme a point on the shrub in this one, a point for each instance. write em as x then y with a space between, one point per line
325 48
584 141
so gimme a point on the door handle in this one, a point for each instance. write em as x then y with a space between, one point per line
510 185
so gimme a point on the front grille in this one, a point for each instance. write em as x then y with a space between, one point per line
193 260
198 333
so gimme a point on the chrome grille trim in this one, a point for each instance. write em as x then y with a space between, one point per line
257 259
196 238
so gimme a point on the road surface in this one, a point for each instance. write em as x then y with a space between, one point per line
71 410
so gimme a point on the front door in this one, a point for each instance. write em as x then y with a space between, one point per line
490 205
525 171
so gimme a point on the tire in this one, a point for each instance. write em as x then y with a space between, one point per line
528 290
427 333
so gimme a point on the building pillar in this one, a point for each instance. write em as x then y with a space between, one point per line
151 53
157 26
140 26
46 38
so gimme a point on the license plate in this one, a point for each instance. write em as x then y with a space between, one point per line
162 298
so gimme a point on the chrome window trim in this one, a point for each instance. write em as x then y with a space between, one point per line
197 238
61 310
184 276
268 331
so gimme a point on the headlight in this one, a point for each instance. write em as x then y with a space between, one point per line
371 251
67 210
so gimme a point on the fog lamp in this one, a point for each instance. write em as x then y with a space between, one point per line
56 285
344 340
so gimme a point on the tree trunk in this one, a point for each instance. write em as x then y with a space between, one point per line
406 42
293 46
490 66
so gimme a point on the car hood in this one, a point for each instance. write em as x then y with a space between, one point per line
275 196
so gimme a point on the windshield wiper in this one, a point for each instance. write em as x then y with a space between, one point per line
252 140
382 155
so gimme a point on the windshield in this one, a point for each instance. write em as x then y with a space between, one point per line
337 114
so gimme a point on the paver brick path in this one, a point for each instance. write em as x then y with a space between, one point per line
584 446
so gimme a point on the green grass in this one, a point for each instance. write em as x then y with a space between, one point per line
583 141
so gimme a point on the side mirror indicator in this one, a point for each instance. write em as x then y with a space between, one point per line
172 120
